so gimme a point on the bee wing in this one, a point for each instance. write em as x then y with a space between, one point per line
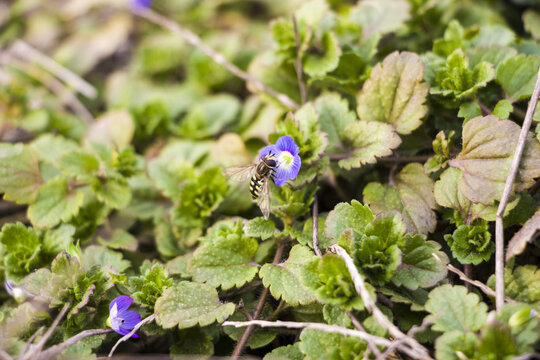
240 173
264 199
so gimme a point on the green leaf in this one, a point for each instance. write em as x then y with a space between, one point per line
469 110
148 287
496 341
321 64
488 149
380 16
120 240
329 279
226 261
114 193
450 343
395 93
531 21
334 116
471 244
442 148
289 352
210 116
56 202
187 304
493 54
453 308
22 250
99 255
503 109
344 216
79 164
458 80
418 267
20 177
169 174
58 240
193 341
283 279
316 344
411 195
50 147
517 76
259 227
114 128
368 140
521 284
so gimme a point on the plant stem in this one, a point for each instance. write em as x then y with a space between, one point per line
54 351
298 63
260 305
499 227
316 226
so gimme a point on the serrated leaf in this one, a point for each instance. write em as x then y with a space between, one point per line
319 65
20 177
411 195
395 93
169 174
79 164
521 284
21 248
494 54
50 147
316 344
453 308
289 352
347 216
368 140
120 240
503 109
469 110
450 343
334 116
226 262
517 76
418 266
187 304
488 149
380 16
99 255
471 244
56 202
283 280
259 227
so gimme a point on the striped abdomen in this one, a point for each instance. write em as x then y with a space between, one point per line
256 185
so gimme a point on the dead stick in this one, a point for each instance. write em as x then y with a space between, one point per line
146 320
499 229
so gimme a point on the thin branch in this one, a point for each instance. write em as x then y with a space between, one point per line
31 340
298 63
126 337
508 186
485 289
196 41
53 351
27 52
372 347
390 159
415 349
4 355
258 310
57 87
39 345
316 326
316 225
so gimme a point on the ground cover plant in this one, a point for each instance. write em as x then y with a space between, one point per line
401 222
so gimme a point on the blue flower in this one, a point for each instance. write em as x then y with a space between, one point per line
138 5
120 318
286 152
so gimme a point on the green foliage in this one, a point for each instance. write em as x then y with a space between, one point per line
116 132
186 304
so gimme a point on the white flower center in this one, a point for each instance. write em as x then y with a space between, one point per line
285 158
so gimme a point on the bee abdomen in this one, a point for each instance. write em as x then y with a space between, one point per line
255 186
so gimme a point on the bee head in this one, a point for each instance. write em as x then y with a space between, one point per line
270 160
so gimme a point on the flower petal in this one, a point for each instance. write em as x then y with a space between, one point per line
286 143
267 150
290 172
129 319
123 302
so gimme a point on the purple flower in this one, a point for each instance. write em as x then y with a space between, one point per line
120 318
286 152
138 5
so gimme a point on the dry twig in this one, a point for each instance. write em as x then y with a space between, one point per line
298 63
413 348
145 321
316 326
508 186
196 41
316 226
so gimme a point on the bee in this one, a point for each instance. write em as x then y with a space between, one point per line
259 176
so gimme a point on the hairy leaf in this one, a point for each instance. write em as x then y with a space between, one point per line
517 76
20 177
395 93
